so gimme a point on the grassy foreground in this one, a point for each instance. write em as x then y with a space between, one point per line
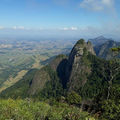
28 110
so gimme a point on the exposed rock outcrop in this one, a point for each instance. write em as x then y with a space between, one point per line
78 66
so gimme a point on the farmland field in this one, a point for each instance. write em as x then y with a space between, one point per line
16 58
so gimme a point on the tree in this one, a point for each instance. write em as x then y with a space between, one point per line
113 70
116 49
111 107
74 98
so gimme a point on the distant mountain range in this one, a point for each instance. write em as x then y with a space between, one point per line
102 47
99 40
104 50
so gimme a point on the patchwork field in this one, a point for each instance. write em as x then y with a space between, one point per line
17 58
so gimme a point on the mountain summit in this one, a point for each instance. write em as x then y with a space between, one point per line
99 40
78 64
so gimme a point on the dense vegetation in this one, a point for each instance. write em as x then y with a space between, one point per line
96 80
52 88
20 89
29 110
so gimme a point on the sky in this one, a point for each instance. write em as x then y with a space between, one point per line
60 18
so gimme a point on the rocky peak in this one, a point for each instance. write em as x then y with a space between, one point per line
78 67
100 37
81 48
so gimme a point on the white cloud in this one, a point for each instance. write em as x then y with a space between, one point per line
74 28
106 29
69 28
65 28
14 27
97 5
18 28
1 27
108 2
21 27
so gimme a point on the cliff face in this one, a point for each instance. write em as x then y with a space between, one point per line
78 67
79 50
39 81
43 76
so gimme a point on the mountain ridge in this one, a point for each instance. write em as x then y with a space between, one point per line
99 40
104 50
